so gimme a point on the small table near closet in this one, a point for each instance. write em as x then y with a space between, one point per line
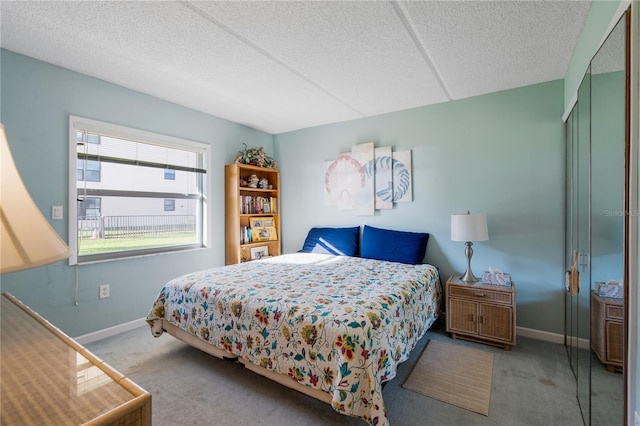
607 329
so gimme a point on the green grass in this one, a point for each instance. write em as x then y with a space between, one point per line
108 245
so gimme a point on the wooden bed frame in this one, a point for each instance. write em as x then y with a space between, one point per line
280 378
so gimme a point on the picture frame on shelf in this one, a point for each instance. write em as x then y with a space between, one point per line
262 222
264 234
259 252
263 229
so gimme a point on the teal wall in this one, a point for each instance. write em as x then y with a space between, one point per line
36 100
501 154
465 153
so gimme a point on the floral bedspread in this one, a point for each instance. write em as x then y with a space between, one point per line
336 323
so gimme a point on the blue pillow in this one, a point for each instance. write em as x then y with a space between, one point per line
338 241
394 246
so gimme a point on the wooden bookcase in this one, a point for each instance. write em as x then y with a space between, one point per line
244 205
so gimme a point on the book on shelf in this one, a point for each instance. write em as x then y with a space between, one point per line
245 235
260 229
251 204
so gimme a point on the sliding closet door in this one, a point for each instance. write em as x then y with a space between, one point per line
571 235
583 247
608 143
596 220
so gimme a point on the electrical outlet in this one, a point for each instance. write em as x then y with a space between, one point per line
104 291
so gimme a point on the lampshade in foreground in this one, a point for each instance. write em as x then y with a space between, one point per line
468 228
27 240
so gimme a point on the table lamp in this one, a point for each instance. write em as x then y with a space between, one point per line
27 240
468 228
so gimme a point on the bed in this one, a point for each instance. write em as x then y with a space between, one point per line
332 326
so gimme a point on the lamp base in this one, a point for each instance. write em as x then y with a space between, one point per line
468 276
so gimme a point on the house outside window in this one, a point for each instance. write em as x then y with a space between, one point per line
88 170
169 174
89 207
114 192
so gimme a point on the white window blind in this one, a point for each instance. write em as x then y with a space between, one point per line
132 189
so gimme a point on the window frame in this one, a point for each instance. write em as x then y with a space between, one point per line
172 203
123 132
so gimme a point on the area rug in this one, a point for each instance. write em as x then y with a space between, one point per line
454 374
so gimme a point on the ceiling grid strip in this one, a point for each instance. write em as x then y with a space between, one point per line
408 23
267 54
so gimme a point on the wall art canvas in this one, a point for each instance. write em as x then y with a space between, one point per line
364 199
402 187
330 198
367 179
343 179
382 170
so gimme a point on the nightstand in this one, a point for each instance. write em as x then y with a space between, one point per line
607 316
480 312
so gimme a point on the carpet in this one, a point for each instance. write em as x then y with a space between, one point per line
454 374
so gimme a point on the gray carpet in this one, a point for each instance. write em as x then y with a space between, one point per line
532 385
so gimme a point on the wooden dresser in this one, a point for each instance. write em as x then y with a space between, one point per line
607 319
481 312
48 378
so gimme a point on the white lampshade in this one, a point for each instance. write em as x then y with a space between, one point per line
27 240
469 227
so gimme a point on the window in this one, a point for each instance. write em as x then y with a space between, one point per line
114 192
88 207
82 137
169 205
88 170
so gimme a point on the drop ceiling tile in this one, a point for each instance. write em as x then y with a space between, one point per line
486 46
359 52
165 50
280 66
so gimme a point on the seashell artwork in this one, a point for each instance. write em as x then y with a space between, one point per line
367 179
402 187
363 202
343 179
382 171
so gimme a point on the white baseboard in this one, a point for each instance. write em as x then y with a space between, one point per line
132 325
548 336
111 331
540 335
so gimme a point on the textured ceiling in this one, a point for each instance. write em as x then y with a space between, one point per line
282 66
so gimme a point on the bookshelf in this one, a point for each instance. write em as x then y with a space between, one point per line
246 206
